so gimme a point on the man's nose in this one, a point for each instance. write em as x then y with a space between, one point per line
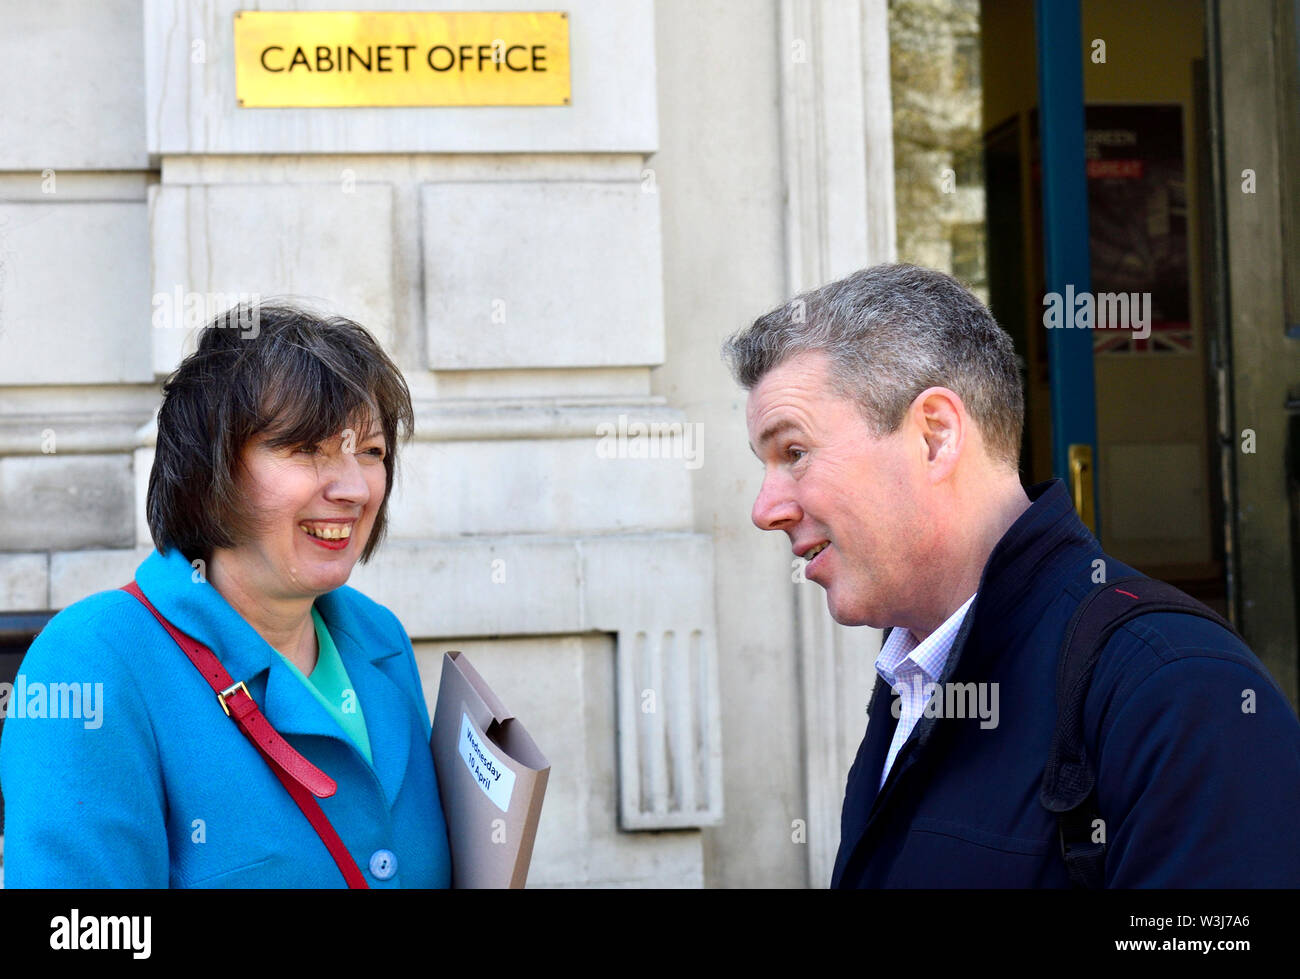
775 507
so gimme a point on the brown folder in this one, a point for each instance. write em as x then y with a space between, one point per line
491 777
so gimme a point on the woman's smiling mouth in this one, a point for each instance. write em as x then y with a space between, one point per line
331 534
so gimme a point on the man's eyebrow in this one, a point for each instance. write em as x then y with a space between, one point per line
772 431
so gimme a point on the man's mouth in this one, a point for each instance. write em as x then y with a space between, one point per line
812 552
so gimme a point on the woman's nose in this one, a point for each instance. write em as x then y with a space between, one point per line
345 480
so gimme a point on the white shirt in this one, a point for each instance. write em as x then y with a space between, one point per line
907 666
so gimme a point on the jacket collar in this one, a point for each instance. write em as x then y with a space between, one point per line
1047 529
372 659
1038 539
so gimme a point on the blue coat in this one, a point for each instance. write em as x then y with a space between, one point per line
162 789
1198 781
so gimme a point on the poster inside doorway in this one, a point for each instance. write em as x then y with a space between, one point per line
1137 223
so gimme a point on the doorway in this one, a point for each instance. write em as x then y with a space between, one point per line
1156 362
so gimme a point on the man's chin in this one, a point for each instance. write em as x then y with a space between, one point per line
852 614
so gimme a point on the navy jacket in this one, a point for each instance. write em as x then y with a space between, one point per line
1197 750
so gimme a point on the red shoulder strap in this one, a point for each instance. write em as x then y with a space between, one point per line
301 778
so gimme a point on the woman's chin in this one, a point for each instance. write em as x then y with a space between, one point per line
334 573
326 572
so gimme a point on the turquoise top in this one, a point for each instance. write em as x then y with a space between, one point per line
330 684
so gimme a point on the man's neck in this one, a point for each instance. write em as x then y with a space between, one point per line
975 535
921 637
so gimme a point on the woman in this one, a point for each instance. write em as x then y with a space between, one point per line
275 457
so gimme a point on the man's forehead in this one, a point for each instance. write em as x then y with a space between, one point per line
807 367
795 383
781 412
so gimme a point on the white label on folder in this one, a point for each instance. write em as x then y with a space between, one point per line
492 777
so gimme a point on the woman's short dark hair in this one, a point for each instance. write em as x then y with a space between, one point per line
297 379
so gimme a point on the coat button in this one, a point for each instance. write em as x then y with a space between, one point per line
383 864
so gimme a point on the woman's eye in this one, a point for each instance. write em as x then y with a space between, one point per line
309 449
377 453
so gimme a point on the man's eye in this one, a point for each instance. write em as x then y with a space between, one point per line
309 449
793 454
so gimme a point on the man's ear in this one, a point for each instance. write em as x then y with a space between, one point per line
941 418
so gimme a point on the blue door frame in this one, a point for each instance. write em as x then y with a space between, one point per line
1065 231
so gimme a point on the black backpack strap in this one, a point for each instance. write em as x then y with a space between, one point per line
1069 782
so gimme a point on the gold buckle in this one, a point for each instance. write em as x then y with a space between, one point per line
230 691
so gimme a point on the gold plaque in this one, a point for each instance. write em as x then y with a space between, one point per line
353 58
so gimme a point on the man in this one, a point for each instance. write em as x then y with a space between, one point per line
886 410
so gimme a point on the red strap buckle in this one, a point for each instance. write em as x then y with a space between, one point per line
230 691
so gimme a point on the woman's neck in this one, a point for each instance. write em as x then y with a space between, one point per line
285 623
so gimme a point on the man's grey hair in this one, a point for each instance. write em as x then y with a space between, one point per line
890 332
